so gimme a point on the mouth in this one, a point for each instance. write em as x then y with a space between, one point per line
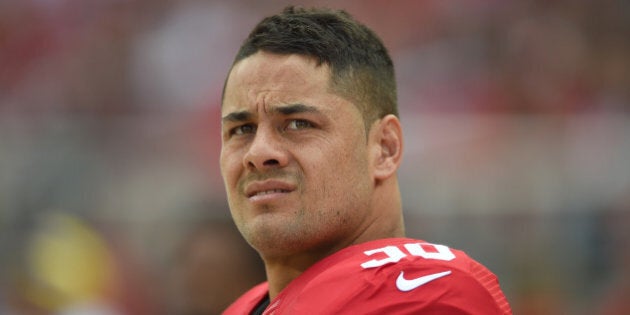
267 189
267 192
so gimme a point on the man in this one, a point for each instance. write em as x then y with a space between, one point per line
311 146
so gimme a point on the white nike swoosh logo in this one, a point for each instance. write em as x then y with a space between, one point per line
407 285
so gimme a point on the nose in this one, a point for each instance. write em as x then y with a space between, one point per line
266 151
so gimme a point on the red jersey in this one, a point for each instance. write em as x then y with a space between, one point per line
389 276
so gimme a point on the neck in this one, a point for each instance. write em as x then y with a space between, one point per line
282 270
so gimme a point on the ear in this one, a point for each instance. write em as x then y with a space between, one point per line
387 144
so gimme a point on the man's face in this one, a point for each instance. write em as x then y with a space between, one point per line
295 156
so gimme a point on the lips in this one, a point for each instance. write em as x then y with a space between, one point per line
267 188
266 192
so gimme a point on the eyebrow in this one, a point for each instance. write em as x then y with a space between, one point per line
295 109
285 110
237 116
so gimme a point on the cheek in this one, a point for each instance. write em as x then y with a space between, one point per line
339 166
229 165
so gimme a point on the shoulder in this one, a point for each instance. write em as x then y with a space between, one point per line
248 301
406 276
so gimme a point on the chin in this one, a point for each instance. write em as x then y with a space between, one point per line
275 238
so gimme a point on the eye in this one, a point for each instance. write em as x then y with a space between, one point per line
243 129
297 124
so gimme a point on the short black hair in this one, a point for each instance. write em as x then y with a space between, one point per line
362 70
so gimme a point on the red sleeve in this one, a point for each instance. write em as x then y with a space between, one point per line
457 293
428 286
460 292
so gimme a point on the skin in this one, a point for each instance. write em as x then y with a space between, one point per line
303 176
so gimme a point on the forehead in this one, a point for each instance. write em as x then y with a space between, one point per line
267 79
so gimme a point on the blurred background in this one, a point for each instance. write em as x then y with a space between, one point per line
517 124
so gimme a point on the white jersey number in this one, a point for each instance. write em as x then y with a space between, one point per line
394 254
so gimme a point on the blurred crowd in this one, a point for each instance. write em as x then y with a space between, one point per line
517 125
